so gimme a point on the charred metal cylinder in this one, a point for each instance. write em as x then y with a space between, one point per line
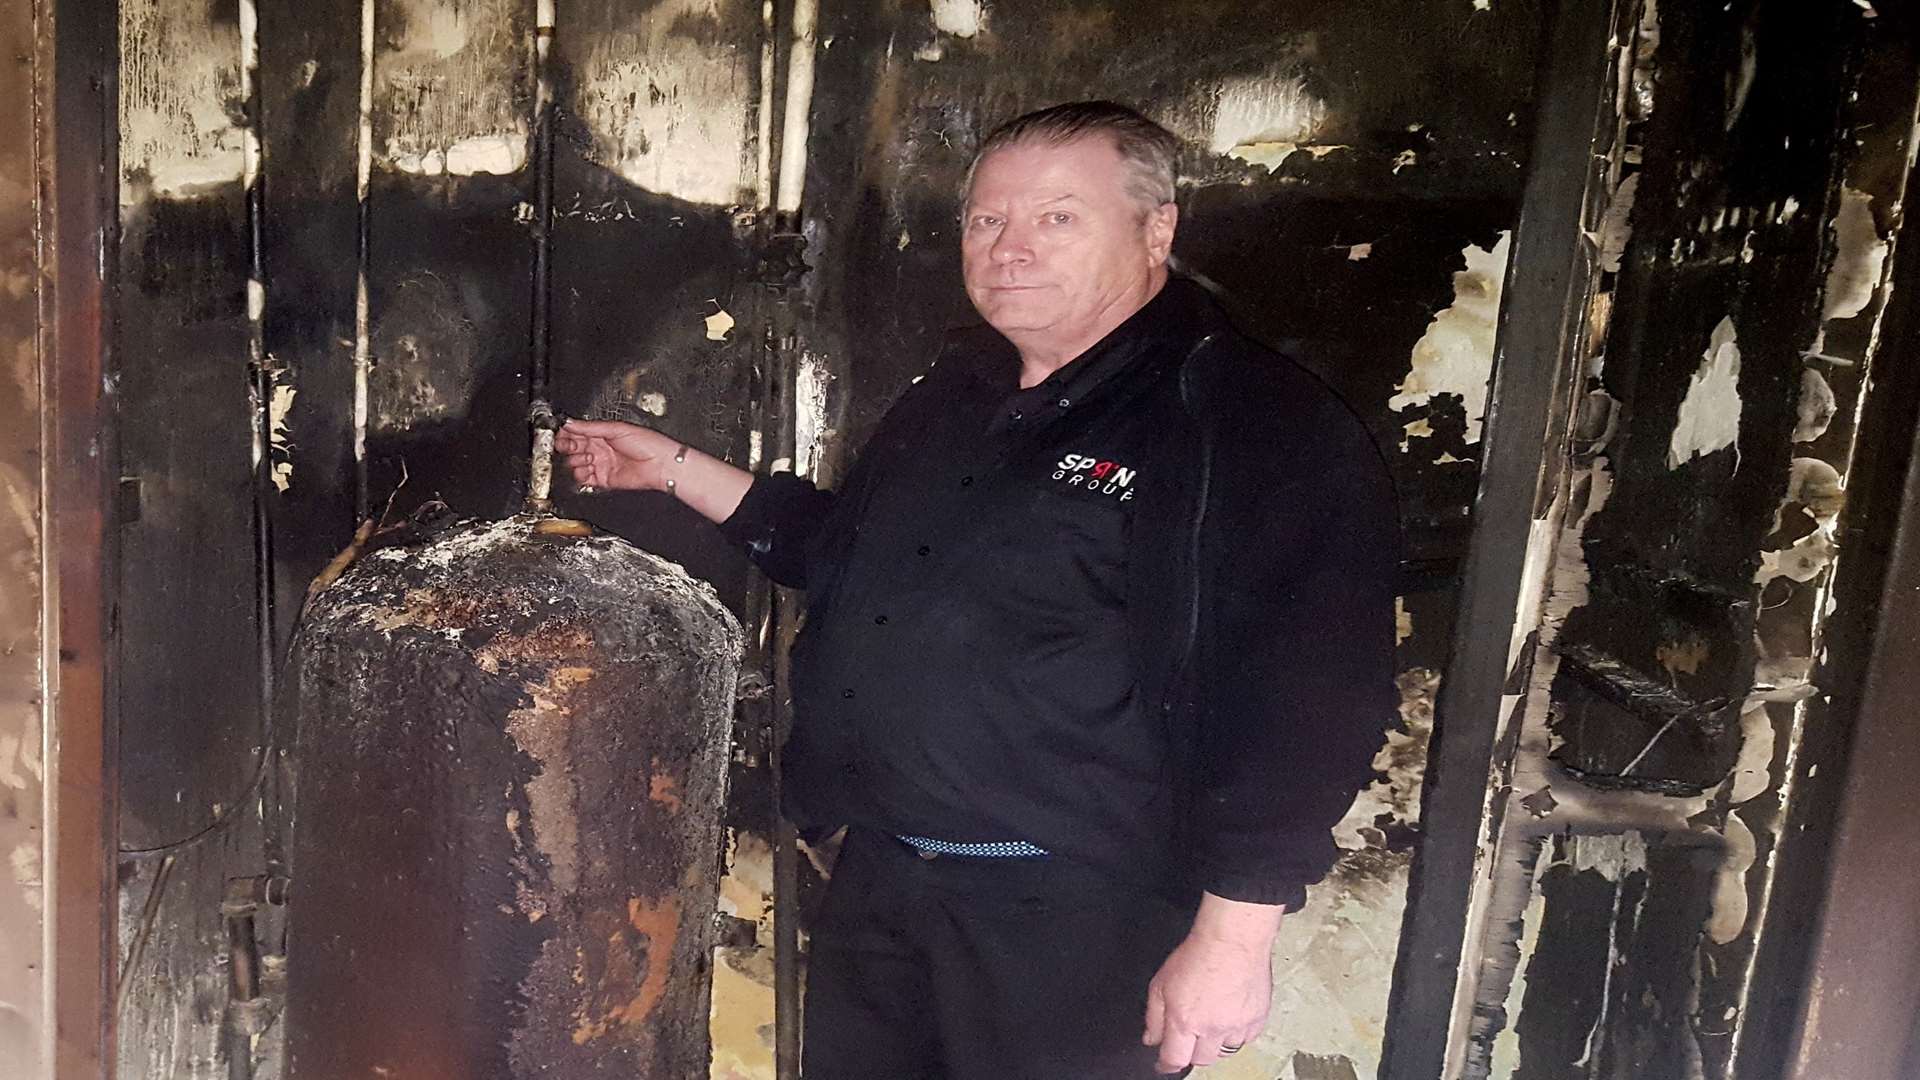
511 762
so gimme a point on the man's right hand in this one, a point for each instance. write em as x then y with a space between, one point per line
613 456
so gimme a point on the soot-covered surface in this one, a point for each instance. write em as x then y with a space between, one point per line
512 754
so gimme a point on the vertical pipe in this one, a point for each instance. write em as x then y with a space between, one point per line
362 330
799 107
264 372
540 410
789 160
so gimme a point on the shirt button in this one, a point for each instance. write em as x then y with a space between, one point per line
880 620
925 550
847 693
1017 415
1065 402
966 481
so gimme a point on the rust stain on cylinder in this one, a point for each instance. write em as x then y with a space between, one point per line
511 769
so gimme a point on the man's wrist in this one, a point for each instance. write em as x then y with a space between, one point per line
1237 922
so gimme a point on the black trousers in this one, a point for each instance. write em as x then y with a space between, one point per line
956 968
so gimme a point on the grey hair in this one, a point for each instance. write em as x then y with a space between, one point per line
1148 150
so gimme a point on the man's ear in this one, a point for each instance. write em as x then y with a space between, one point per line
1160 225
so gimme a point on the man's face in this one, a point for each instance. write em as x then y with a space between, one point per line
1055 250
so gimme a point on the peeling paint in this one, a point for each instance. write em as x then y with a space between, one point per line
741 1027
1709 417
1816 407
1455 355
1616 226
1860 258
1505 1057
1816 485
281 442
1728 916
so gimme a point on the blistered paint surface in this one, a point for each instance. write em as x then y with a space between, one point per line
1455 356
1265 119
451 82
669 102
180 99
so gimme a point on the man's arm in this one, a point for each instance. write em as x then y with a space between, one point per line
613 456
1295 665
774 518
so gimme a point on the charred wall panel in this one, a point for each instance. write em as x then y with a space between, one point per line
1690 583
187 633
310 74
657 188
1723 282
450 252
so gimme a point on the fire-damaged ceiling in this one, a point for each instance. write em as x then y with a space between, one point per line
1606 279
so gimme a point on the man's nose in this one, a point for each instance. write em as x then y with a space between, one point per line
1012 246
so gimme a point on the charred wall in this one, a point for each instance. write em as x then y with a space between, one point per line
324 292
1678 690
325 304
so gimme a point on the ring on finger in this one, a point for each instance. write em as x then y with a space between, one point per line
1232 1048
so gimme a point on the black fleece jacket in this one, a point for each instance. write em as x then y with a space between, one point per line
1259 602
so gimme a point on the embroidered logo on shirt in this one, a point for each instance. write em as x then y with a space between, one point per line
1096 474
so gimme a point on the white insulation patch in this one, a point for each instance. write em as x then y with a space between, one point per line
672 111
1264 119
1455 355
1710 415
961 18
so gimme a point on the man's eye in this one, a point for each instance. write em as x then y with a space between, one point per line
1059 217
985 221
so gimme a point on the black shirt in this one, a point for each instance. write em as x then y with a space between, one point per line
975 647
1150 630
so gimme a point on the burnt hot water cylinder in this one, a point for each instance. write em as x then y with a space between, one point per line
511 761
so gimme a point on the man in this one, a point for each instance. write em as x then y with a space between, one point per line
1098 645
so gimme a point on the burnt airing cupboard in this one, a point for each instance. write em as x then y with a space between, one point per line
512 751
